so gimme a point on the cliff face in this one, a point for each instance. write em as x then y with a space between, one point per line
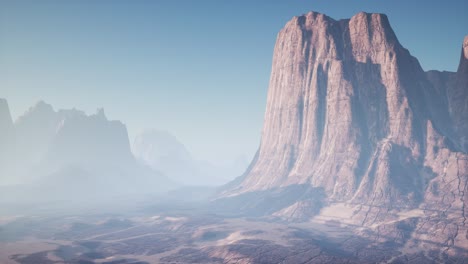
349 111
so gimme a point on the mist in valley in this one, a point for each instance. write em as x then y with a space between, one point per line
233 132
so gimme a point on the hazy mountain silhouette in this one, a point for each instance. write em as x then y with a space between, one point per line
67 154
162 151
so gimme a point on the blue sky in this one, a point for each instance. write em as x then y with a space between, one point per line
198 69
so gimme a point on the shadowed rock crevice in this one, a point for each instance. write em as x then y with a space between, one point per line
270 202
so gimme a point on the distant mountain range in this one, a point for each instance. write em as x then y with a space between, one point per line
70 152
67 154
163 152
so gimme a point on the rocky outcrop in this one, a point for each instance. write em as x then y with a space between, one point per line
351 112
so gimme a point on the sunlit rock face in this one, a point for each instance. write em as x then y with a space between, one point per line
351 113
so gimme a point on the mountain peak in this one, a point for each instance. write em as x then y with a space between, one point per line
366 15
40 112
317 16
100 113
371 21
370 33
305 21
43 106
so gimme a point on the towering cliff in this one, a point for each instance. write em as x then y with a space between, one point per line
351 113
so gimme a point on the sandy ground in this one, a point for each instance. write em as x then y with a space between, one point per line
331 222
25 246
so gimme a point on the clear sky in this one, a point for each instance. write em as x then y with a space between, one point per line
197 68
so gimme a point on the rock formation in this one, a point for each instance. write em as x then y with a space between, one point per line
351 113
